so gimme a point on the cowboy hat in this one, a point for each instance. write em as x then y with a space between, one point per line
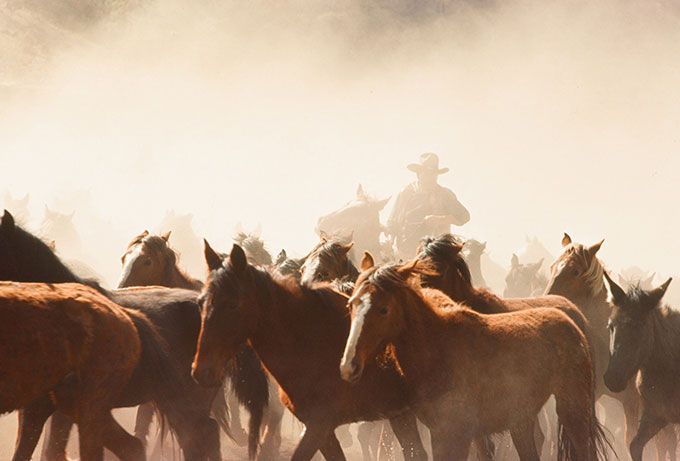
427 162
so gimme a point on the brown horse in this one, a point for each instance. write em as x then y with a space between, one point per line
299 333
72 343
458 364
149 260
645 337
327 262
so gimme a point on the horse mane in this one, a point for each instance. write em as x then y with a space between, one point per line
45 259
387 276
254 248
593 275
443 251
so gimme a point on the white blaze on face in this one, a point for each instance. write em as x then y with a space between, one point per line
354 334
128 261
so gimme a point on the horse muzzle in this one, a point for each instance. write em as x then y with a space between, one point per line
351 370
614 381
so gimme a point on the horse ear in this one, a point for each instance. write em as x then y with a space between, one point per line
380 204
514 261
52 245
281 257
7 223
323 235
360 192
593 249
406 270
483 246
237 258
657 293
650 279
566 240
213 259
345 248
367 261
166 236
616 293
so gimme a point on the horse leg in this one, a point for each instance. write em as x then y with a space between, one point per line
649 426
523 438
92 425
365 435
197 433
31 421
313 437
666 442
54 447
237 431
125 446
485 448
331 449
450 443
271 442
405 428
630 399
143 421
386 444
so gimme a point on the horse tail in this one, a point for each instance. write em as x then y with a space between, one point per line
249 382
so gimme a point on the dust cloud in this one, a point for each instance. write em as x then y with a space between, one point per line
553 117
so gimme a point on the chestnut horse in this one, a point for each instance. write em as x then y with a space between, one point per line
458 363
299 333
176 316
73 349
645 337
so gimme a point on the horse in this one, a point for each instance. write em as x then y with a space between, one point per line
577 274
286 266
360 217
299 333
453 277
534 250
71 348
458 362
486 273
329 261
524 280
149 260
176 316
645 339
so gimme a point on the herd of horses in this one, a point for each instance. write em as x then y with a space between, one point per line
416 343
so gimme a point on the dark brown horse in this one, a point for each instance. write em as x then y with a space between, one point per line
458 364
299 333
327 262
173 313
149 260
645 338
74 349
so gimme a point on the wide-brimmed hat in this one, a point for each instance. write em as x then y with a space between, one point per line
427 162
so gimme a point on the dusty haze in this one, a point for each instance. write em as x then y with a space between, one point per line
553 116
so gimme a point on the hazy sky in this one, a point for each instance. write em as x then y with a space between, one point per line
553 118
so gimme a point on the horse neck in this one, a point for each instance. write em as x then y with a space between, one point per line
176 278
593 302
663 358
421 339
475 265
485 302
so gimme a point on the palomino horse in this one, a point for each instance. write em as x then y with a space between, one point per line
645 337
524 280
174 312
299 333
359 217
458 362
73 349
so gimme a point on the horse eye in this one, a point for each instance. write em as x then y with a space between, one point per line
574 272
147 262
383 311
